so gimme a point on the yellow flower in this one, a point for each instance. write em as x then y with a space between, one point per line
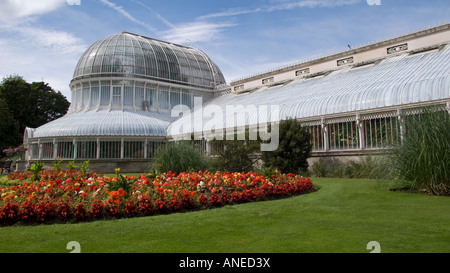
117 170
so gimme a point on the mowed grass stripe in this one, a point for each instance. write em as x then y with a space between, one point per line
341 217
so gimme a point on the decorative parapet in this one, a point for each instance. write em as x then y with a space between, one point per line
397 48
393 45
345 61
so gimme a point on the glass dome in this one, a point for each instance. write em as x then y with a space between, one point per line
130 55
126 85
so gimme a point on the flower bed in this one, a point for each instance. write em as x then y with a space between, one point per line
68 196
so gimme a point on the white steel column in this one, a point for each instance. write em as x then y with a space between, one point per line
326 144
98 148
75 149
55 149
401 123
361 132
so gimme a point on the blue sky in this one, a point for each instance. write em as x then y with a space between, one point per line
43 39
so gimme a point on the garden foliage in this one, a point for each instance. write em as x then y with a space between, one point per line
70 196
182 156
373 167
235 155
422 160
24 104
293 150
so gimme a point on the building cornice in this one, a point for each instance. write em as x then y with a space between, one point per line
358 50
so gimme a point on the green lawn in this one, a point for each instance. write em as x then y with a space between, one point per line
343 216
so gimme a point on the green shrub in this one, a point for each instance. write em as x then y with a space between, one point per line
318 168
57 165
235 155
36 168
84 169
268 172
71 165
178 157
369 167
372 167
423 157
4 181
121 183
293 150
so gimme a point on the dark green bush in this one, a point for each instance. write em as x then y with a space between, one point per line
293 150
235 155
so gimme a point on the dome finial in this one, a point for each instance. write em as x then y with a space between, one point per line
123 30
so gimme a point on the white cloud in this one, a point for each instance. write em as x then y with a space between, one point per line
159 16
195 32
58 42
285 5
121 10
281 5
37 64
13 11
34 52
40 54
230 12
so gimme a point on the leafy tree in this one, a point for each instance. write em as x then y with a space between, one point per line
50 104
293 150
16 93
30 105
8 128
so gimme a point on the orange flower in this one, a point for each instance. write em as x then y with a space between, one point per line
84 195
121 192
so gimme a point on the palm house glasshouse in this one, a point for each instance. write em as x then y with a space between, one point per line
353 102
123 88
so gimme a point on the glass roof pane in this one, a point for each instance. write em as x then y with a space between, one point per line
131 54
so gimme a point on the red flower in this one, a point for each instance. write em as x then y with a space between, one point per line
9 213
145 205
202 200
63 209
53 196
235 197
44 211
80 212
27 211
225 198
174 204
97 208
214 200
114 211
159 204
130 208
